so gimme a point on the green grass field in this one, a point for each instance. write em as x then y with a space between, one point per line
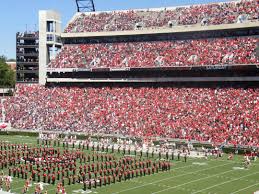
212 176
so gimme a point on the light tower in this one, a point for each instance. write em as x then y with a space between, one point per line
85 5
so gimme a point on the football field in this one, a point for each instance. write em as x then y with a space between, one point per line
212 176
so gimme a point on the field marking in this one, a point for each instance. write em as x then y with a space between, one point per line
46 185
192 181
244 188
132 188
189 159
10 138
18 181
225 182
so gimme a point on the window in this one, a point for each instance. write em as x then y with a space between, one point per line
50 26
50 37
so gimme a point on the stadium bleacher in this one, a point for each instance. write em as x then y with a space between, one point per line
217 115
161 100
209 14
241 50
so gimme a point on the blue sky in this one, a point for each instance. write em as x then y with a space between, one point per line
15 15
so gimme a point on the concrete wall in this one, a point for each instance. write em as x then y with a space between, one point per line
44 16
175 29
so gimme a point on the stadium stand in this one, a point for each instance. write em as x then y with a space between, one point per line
218 115
209 14
240 50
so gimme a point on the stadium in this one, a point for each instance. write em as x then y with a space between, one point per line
157 100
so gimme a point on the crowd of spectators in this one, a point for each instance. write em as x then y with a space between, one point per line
217 115
241 50
208 14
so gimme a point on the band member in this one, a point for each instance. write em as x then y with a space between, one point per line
185 157
230 157
178 155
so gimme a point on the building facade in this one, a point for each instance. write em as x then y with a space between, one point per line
27 57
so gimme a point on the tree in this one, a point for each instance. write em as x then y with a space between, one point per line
7 75
11 60
3 59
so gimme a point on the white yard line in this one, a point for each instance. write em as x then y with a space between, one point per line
192 181
225 183
132 188
244 188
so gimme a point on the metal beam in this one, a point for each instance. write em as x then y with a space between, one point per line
85 5
155 80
